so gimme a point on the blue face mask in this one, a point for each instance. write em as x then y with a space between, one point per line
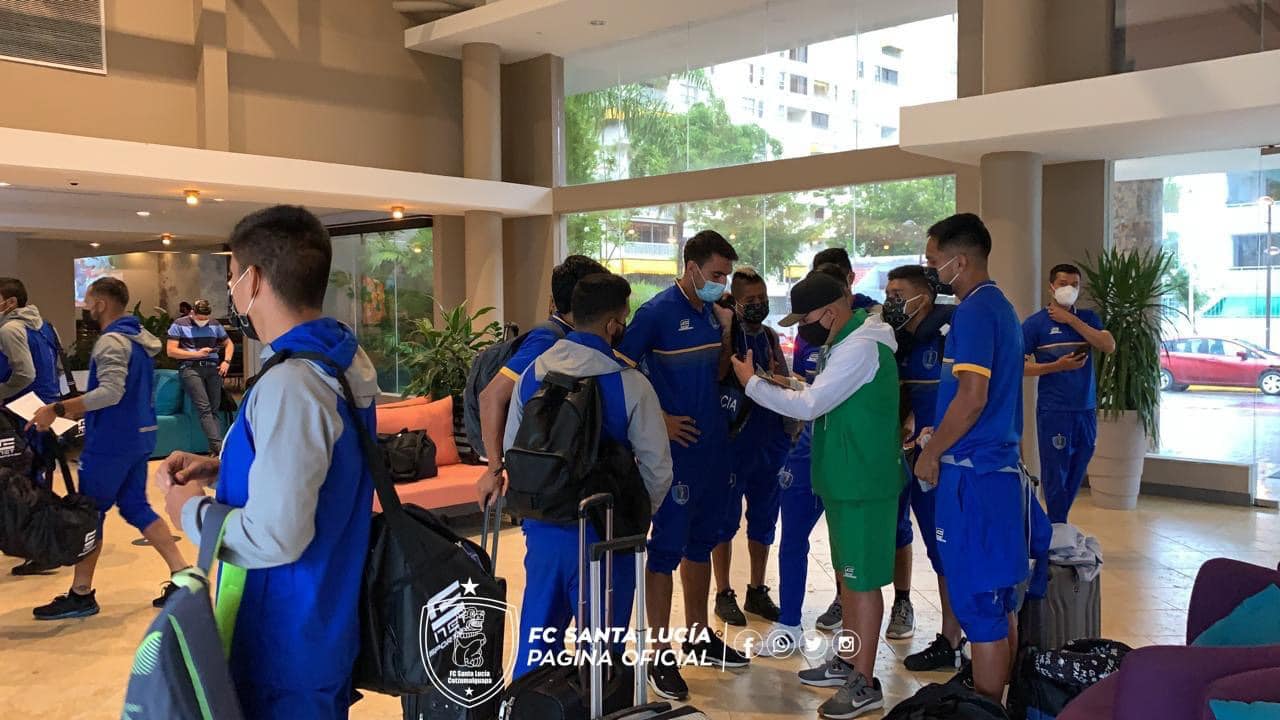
710 291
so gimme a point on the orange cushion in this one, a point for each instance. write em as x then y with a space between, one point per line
434 417
455 485
407 402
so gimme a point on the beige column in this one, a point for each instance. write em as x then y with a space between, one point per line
1014 44
1076 213
213 120
482 160
449 246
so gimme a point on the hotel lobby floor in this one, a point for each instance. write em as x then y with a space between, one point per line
78 668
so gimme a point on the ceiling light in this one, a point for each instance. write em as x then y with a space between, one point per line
143 213
166 239
193 197
95 244
4 184
397 212
598 23
219 199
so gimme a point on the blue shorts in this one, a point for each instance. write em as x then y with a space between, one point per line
754 476
120 481
982 541
985 616
687 524
916 499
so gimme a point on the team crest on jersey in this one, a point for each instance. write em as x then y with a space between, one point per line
1055 330
849 573
680 493
930 359
685 324
785 478
1059 441
939 535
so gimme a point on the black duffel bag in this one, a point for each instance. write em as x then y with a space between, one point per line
36 524
427 595
411 455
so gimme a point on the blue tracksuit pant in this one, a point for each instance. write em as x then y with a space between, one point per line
1066 447
801 510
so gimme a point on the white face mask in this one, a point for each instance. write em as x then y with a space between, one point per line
1066 295
201 323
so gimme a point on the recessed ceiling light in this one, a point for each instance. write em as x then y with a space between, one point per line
166 239
95 244
4 184
219 200
193 197
598 23
143 213
397 212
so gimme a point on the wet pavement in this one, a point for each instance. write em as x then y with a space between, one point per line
1225 425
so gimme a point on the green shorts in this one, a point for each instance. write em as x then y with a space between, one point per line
863 537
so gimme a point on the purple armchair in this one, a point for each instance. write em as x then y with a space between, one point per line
1176 682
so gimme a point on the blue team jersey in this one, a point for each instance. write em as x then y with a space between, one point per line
678 348
804 359
920 365
763 425
985 339
534 344
1047 341
191 336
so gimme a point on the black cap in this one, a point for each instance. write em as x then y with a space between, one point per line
814 291
202 307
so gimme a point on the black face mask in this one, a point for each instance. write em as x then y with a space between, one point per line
755 313
616 340
814 333
240 320
936 284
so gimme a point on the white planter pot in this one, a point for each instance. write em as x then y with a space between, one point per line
1115 473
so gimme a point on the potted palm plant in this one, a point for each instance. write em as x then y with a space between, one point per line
1129 288
439 353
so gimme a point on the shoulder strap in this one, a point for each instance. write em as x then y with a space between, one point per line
72 391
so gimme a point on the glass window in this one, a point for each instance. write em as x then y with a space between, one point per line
673 102
1159 33
888 131
820 120
891 51
379 284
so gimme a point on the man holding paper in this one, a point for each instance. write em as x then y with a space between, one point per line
856 468
120 433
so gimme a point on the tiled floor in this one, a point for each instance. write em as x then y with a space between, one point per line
77 669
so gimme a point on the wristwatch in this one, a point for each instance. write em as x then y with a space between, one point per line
59 409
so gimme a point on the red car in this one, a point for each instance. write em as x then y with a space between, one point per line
1215 361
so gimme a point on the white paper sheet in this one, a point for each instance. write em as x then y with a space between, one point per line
26 406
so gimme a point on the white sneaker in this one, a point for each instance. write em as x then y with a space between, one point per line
781 641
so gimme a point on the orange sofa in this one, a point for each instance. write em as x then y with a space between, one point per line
454 486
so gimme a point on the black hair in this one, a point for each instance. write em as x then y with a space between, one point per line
291 248
565 277
597 295
13 288
112 289
836 255
1065 268
833 270
915 275
747 276
184 308
702 246
962 231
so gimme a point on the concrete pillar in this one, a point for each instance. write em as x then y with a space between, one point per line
1076 213
449 246
1014 44
213 119
482 160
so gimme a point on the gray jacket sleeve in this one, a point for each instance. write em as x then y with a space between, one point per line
295 421
647 433
13 345
111 360
515 412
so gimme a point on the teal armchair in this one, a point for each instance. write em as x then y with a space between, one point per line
178 425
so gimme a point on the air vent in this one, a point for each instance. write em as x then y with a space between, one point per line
58 33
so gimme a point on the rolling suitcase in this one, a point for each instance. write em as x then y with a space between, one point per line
1071 610
557 692
435 705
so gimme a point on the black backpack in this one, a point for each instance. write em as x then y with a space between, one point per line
951 701
1044 681
14 452
411 455
487 364
37 524
554 450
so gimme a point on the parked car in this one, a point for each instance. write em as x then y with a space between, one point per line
1217 361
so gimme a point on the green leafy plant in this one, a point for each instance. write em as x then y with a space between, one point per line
1130 289
157 325
440 354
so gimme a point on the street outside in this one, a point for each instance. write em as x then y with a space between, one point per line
1225 425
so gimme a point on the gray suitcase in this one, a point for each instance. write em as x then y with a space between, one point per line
1070 610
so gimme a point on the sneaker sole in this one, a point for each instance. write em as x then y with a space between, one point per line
770 616
736 622
900 635
828 626
950 665
869 707
825 682
70 615
664 694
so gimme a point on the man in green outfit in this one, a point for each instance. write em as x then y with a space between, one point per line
856 467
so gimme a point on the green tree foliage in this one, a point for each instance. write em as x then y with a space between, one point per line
888 218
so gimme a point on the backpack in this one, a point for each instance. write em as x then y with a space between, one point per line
487 364
1044 681
180 669
555 448
14 452
411 455
951 701
37 524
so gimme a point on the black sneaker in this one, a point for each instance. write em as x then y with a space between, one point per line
937 656
168 590
31 567
715 653
727 607
833 618
964 677
665 680
759 603
71 605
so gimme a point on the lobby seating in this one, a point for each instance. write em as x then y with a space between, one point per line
453 489
178 423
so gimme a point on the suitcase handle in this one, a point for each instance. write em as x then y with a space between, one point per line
496 510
